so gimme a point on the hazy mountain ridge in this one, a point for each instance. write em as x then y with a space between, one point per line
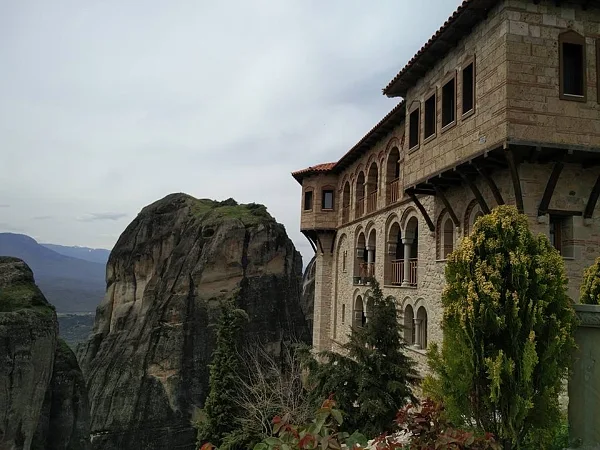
96 255
70 284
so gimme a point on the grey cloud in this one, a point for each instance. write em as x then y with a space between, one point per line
93 217
42 218
4 206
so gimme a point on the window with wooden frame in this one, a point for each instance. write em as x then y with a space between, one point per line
598 69
327 199
429 124
572 73
468 87
308 200
449 102
414 128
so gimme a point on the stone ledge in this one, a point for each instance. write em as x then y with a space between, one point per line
589 315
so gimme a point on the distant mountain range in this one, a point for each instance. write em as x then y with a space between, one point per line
97 255
71 284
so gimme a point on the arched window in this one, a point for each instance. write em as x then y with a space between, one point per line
411 238
392 194
421 328
359 319
372 184
409 330
360 258
346 203
359 198
472 213
394 265
448 238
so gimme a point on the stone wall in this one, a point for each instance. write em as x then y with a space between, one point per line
535 110
317 217
475 132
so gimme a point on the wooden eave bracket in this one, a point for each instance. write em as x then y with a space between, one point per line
550 186
421 208
482 203
591 204
514 173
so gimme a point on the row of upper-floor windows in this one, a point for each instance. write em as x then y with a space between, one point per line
572 86
446 100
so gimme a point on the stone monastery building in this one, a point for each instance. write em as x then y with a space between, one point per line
500 106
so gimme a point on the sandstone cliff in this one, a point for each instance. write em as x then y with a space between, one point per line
146 362
308 291
37 370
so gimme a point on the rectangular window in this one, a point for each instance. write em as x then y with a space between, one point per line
344 256
343 312
327 199
449 102
572 66
468 88
598 68
413 128
308 200
561 234
430 115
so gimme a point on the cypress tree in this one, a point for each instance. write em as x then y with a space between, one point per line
508 332
220 408
370 378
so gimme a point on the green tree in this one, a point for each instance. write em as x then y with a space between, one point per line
370 377
590 288
508 332
220 407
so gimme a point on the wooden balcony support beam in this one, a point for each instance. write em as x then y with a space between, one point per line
514 173
491 184
482 203
591 204
550 186
440 193
421 208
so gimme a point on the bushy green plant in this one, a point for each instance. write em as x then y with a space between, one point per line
371 375
590 288
508 332
322 432
220 407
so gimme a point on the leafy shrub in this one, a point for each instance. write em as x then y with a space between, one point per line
508 332
590 288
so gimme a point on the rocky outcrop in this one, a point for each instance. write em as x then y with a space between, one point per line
31 370
308 291
146 362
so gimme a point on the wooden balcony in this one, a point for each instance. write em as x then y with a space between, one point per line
372 202
345 214
397 272
360 207
394 188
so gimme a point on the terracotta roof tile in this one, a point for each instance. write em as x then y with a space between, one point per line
464 6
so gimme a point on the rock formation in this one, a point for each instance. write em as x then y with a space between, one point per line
42 393
146 362
308 291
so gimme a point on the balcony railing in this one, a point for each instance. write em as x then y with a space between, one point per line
394 191
360 207
365 271
372 202
345 214
397 272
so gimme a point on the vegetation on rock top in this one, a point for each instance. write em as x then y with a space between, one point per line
19 291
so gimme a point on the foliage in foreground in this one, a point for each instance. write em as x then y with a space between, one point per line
220 406
371 379
590 288
508 332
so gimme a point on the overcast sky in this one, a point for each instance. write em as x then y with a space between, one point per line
107 106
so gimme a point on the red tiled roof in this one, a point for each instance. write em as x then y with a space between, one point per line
479 9
319 168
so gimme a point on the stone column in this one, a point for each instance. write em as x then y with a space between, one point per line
370 250
417 325
407 247
584 394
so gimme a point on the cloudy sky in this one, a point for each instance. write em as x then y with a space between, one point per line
106 106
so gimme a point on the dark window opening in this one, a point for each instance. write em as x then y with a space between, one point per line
573 68
468 86
448 103
308 200
413 138
327 202
430 116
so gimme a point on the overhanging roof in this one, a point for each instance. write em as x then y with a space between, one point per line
458 25
392 119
